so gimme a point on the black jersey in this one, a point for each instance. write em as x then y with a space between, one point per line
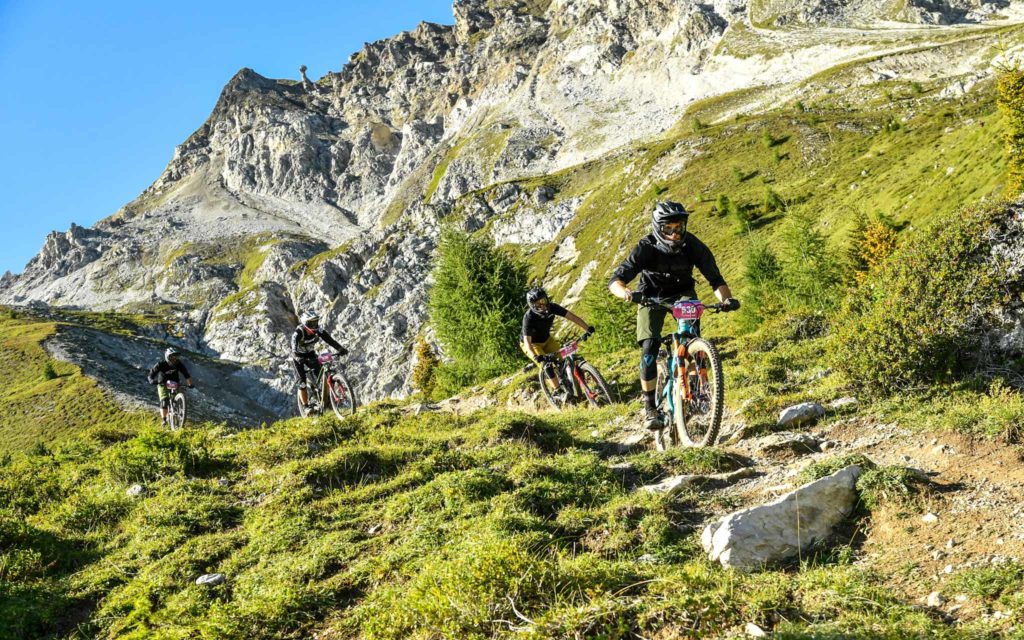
304 341
161 372
538 327
668 275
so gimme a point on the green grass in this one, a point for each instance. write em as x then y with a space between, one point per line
387 526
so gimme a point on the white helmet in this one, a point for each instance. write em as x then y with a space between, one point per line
310 320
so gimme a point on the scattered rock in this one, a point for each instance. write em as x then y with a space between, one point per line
935 599
211 579
800 443
799 414
749 539
224 482
842 403
754 631
135 491
929 518
674 484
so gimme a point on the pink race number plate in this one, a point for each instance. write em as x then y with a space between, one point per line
687 310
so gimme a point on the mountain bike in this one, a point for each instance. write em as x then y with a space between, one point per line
332 387
577 378
691 385
177 410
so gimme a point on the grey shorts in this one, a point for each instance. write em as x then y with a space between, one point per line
650 322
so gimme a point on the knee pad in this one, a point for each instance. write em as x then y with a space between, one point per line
649 359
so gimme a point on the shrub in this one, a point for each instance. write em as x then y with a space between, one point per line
762 272
49 373
697 125
909 322
476 307
424 373
766 139
772 202
737 175
810 271
870 245
800 106
1010 97
723 204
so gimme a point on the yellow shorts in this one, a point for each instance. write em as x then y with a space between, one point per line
551 346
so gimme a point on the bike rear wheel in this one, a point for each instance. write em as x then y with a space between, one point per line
343 397
700 416
593 385
311 409
557 401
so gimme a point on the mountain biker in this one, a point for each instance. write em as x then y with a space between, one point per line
304 340
168 370
664 260
536 340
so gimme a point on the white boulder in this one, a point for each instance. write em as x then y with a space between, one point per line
749 539
800 414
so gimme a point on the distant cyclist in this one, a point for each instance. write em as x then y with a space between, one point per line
536 340
664 260
304 356
168 370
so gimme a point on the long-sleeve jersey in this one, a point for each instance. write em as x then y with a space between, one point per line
304 341
665 275
161 372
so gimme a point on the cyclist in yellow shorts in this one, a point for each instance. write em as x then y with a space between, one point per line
536 340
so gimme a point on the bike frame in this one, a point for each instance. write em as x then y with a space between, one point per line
568 370
685 333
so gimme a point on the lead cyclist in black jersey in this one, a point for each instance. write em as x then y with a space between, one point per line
664 260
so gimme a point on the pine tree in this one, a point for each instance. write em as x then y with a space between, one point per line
476 306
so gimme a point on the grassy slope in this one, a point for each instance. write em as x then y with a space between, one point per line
385 526
36 409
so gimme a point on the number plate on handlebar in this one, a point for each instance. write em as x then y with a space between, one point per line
172 385
569 349
688 310
324 358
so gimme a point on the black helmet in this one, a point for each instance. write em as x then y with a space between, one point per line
669 213
535 295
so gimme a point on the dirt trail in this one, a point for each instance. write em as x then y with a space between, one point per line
974 490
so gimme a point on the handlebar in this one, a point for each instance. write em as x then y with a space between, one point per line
651 303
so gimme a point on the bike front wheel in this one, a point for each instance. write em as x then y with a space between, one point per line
699 416
593 385
342 396
557 400
178 412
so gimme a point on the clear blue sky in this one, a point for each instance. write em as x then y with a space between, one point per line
96 94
